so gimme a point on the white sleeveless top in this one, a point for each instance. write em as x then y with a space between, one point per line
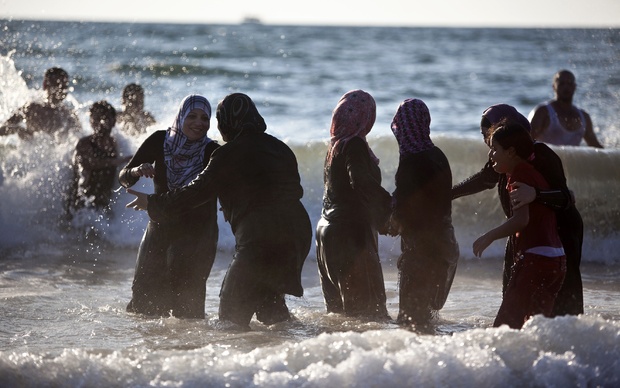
558 135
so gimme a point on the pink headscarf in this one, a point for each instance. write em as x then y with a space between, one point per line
412 127
354 116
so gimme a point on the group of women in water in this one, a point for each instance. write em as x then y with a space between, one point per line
256 180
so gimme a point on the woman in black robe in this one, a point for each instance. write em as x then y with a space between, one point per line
176 255
355 208
422 216
256 179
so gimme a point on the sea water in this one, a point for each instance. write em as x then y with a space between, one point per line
64 289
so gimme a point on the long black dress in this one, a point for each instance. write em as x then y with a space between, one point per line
430 252
570 224
256 179
355 207
176 255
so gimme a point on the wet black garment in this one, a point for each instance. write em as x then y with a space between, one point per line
355 207
256 179
430 252
176 255
570 224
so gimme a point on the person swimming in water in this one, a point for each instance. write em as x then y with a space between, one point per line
53 116
133 119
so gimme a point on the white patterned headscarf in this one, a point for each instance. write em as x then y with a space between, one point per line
185 158
412 127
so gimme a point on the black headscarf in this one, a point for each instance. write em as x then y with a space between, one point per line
236 113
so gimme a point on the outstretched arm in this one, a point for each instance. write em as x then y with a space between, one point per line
140 202
485 179
522 194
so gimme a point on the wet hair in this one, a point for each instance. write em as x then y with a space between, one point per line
103 109
512 134
132 90
56 72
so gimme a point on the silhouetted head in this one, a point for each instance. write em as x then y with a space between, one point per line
102 118
133 97
56 84
496 113
237 114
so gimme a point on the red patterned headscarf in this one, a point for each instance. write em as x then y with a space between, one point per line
412 127
354 116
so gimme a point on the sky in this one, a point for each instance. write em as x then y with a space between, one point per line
451 13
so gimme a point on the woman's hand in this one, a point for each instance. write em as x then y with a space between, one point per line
140 203
521 195
145 169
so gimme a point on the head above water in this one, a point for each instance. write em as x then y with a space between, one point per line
237 114
496 113
102 118
56 84
133 97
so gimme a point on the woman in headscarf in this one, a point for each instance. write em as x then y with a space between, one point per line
422 217
558 197
355 208
256 179
176 255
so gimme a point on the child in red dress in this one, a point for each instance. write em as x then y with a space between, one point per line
540 265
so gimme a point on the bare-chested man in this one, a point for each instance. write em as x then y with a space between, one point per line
53 116
133 119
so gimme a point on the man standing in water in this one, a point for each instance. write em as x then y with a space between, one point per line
559 122
53 116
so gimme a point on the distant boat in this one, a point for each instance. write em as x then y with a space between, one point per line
251 20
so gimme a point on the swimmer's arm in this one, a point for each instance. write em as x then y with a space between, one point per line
589 136
539 122
15 124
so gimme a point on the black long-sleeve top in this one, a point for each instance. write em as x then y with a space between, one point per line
152 151
353 191
547 162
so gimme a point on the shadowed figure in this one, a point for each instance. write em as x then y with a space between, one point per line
256 179
422 217
176 255
53 116
355 208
